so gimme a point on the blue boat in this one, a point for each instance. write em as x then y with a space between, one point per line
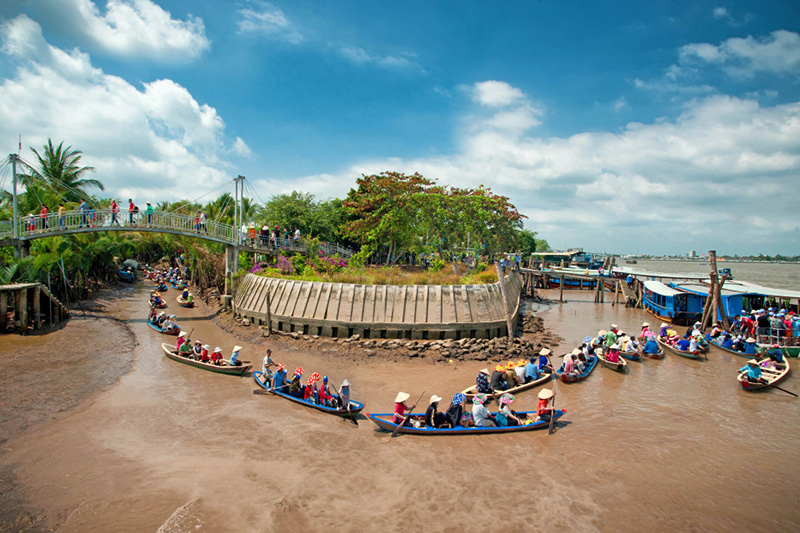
384 421
175 286
591 362
174 331
355 407
670 304
128 270
733 301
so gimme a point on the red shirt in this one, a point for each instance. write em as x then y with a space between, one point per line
43 212
204 355
541 407
130 207
399 412
216 356
114 206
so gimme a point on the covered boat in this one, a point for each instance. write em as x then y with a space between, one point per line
355 407
224 368
470 392
773 376
127 271
384 421
671 304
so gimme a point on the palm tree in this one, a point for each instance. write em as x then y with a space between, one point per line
60 168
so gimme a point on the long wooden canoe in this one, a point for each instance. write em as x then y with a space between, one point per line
772 376
591 362
470 392
384 421
163 287
355 407
696 355
175 331
184 303
619 366
224 368
717 344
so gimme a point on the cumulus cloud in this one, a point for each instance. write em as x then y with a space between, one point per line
128 28
667 186
496 93
153 137
263 18
778 53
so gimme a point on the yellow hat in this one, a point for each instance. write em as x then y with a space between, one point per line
499 368
510 365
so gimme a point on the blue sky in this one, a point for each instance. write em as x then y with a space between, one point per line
627 127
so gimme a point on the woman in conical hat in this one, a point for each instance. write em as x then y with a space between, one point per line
400 409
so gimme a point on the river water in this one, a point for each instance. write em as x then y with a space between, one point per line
671 445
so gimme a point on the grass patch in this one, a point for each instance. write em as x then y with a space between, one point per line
394 275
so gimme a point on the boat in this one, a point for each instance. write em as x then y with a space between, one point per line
658 355
184 303
717 343
162 287
631 356
175 286
772 377
162 305
127 271
671 305
384 421
173 331
591 362
470 392
219 369
697 354
618 366
631 261
355 407
735 297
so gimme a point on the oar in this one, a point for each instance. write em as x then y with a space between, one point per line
397 429
352 416
552 415
784 390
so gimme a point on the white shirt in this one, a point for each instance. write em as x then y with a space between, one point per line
480 415
265 366
520 370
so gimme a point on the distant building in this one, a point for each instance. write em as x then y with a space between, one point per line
692 254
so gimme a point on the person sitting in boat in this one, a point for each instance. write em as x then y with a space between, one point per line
309 392
543 409
694 345
630 345
580 365
343 401
611 337
296 388
153 315
505 416
456 410
749 346
279 383
511 375
216 356
204 357
568 367
612 356
185 349
645 330
727 341
433 418
182 339
716 331
498 381
234 359
753 372
160 319
197 350
601 337
532 371
650 346
185 294
480 414
683 345
325 396
400 409
544 359
519 368
663 332
482 381
156 300
266 367
775 354
170 324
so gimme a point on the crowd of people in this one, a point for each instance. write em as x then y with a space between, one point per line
316 389
198 351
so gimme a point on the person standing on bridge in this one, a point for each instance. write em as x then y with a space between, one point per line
114 212
43 216
83 209
61 216
131 210
149 212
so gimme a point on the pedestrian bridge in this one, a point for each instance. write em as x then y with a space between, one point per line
97 220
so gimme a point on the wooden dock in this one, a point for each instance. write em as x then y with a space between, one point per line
25 306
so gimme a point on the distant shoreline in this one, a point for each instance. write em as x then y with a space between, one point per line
679 260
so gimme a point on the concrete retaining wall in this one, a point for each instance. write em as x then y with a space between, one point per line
379 311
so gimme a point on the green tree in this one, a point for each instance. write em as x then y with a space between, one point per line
60 169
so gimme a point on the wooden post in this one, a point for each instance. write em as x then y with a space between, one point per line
501 277
616 293
21 309
561 288
268 314
3 308
36 306
723 315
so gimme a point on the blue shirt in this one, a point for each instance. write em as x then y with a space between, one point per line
727 343
682 344
750 347
651 346
542 361
532 371
777 354
279 379
234 357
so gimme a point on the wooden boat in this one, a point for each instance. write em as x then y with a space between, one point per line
470 392
162 287
355 407
591 362
716 343
791 351
174 331
184 303
633 356
175 286
658 355
697 354
619 366
772 377
384 421
219 369
162 305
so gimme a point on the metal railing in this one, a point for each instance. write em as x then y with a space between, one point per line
36 226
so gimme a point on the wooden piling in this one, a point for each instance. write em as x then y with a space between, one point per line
561 287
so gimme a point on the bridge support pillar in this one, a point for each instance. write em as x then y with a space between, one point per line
231 266
22 249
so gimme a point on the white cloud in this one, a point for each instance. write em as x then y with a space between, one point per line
620 104
155 137
240 148
779 53
129 28
266 19
395 62
496 93
666 186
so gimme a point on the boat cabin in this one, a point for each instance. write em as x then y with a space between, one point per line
667 303
733 301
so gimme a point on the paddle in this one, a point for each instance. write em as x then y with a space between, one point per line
352 416
552 415
784 390
397 429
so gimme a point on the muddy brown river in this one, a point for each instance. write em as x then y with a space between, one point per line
671 445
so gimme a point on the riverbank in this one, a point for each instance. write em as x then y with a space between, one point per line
660 448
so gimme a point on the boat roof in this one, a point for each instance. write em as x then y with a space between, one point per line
702 289
754 288
660 288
